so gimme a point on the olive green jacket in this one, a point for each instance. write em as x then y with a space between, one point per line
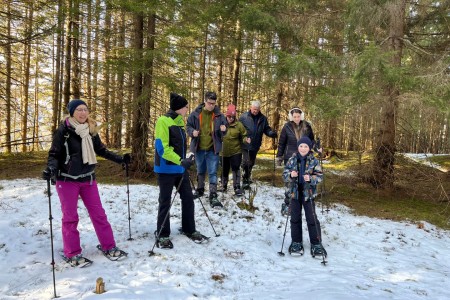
233 139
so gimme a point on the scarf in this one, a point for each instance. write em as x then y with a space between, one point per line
87 147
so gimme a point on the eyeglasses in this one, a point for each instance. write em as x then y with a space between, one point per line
82 109
211 103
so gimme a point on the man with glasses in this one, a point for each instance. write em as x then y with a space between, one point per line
256 124
206 125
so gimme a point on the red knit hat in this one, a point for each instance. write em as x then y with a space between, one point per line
231 111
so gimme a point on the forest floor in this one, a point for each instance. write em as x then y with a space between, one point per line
421 191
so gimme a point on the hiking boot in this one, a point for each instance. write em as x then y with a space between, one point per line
246 184
77 261
164 242
318 249
296 248
197 237
238 192
214 200
199 193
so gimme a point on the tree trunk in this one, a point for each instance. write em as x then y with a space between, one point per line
68 54
75 50
106 76
137 143
56 104
385 149
26 83
237 63
8 59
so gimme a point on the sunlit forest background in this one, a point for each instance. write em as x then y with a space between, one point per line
373 76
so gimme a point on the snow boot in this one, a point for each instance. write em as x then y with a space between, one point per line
318 249
197 237
77 261
199 193
237 191
113 254
163 242
214 200
296 248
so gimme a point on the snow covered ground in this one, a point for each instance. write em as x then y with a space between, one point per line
367 258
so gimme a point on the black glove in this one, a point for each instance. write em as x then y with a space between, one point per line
49 174
188 162
274 135
126 158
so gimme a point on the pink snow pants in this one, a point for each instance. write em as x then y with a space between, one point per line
68 192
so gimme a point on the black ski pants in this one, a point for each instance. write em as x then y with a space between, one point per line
311 220
248 161
166 183
233 162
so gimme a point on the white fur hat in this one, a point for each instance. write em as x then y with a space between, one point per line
291 112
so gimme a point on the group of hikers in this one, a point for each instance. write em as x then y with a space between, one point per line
214 138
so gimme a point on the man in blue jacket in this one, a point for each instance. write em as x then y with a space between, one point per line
256 124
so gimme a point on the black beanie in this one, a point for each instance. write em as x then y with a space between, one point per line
305 140
73 105
177 101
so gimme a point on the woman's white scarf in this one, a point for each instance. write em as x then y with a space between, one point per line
87 147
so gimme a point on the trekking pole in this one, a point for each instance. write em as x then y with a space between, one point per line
313 213
128 195
281 253
151 253
206 213
50 217
323 189
274 164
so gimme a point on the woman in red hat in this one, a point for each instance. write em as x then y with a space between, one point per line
231 150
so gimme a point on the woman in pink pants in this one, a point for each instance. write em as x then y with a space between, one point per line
71 163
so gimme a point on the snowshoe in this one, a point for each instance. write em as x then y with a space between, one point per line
78 261
197 237
296 249
113 254
199 193
214 200
318 250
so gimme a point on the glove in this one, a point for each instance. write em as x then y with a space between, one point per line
187 163
279 160
49 174
126 158
274 135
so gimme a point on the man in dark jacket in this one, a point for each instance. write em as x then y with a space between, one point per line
206 125
256 124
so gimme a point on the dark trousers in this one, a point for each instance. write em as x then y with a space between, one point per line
311 220
248 161
166 183
233 162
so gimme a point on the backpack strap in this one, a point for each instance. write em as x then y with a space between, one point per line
66 137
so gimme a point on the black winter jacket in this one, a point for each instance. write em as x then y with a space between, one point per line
255 132
287 143
57 155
